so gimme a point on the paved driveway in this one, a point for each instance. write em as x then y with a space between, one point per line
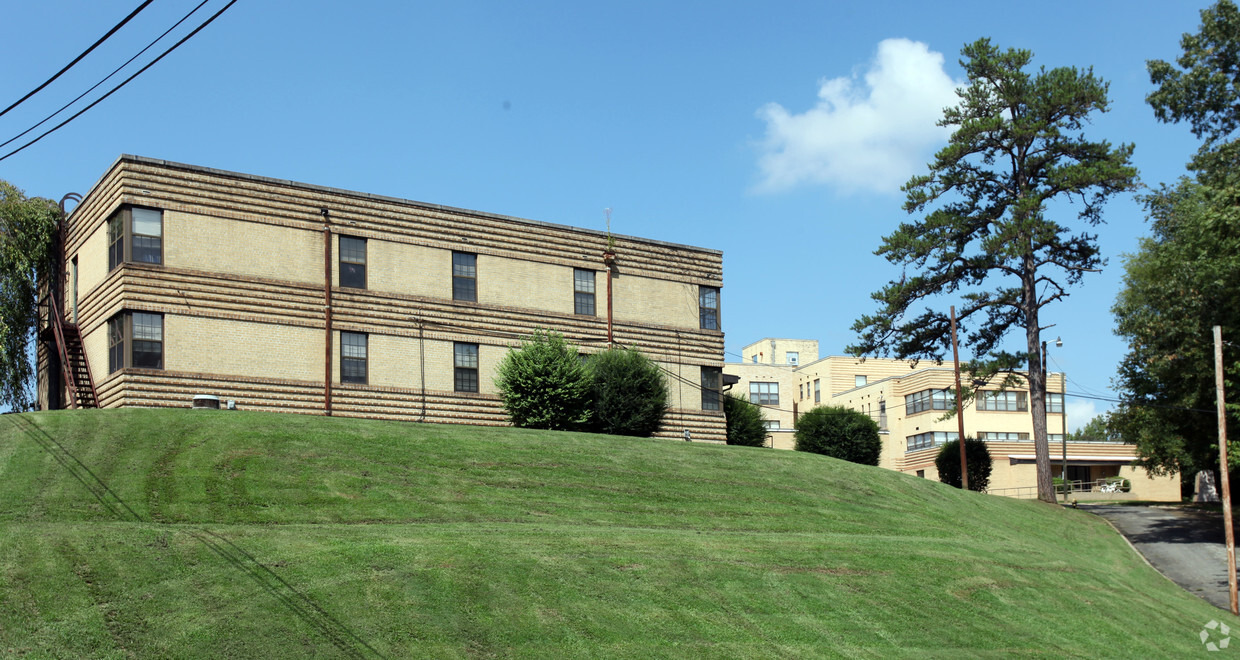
1186 545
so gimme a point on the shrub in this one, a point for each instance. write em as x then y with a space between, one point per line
544 385
978 456
839 432
629 393
744 421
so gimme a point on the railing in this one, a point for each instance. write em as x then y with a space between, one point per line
62 349
1106 485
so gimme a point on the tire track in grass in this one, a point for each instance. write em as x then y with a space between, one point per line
301 605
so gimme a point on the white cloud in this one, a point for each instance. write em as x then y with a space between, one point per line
1080 411
871 135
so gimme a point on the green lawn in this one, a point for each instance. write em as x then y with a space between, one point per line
141 533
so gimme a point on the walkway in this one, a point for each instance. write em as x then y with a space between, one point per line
1186 545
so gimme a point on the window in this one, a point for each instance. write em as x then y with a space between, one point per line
930 439
882 415
708 307
353 357
465 363
771 424
135 339
921 473
1001 436
764 394
353 262
583 293
465 283
859 381
1054 437
792 357
135 234
800 391
1003 401
1054 402
817 391
925 400
753 359
711 377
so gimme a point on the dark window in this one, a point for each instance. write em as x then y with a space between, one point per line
465 279
148 340
136 339
116 343
764 394
708 307
353 357
583 291
465 364
711 377
135 234
929 439
925 400
353 262
817 391
116 240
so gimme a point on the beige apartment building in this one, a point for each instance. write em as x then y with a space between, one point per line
182 281
909 400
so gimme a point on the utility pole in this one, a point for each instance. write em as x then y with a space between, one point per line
1222 470
964 462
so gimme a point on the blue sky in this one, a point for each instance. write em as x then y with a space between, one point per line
776 132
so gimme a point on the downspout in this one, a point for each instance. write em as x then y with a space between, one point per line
327 311
609 260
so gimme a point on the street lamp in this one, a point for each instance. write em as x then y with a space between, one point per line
1063 416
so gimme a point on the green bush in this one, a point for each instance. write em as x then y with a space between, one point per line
839 432
544 385
744 421
978 456
628 391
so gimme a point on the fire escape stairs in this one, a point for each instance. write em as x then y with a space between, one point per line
73 361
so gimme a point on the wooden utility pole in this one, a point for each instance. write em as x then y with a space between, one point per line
964 462
1222 470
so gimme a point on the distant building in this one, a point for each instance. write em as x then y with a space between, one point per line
181 280
908 401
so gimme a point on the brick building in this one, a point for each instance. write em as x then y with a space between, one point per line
181 280
909 402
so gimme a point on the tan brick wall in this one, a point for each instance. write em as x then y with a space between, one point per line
772 350
92 263
234 247
241 348
648 300
401 267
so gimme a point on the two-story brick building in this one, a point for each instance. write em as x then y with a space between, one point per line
181 280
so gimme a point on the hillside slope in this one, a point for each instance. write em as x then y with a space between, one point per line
144 533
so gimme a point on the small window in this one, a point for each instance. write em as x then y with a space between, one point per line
800 391
792 357
583 291
136 339
465 280
353 262
708 307
764 394
353 357
465 363
116 343
817 391
771 424
711 377
135 234
921 473
1054 402
859 381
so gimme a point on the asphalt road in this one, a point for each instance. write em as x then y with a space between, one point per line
1186 545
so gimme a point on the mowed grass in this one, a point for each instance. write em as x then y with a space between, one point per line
144 533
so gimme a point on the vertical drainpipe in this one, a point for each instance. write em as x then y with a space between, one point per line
327 311
609 260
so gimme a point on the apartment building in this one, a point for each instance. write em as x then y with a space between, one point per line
909 401
181 281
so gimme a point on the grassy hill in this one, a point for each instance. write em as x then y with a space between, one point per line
141 533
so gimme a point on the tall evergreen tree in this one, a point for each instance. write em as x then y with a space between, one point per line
1017 145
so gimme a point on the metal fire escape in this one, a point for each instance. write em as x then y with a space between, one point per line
74 366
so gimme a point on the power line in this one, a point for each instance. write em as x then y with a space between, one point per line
78 58
125 82
108 77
